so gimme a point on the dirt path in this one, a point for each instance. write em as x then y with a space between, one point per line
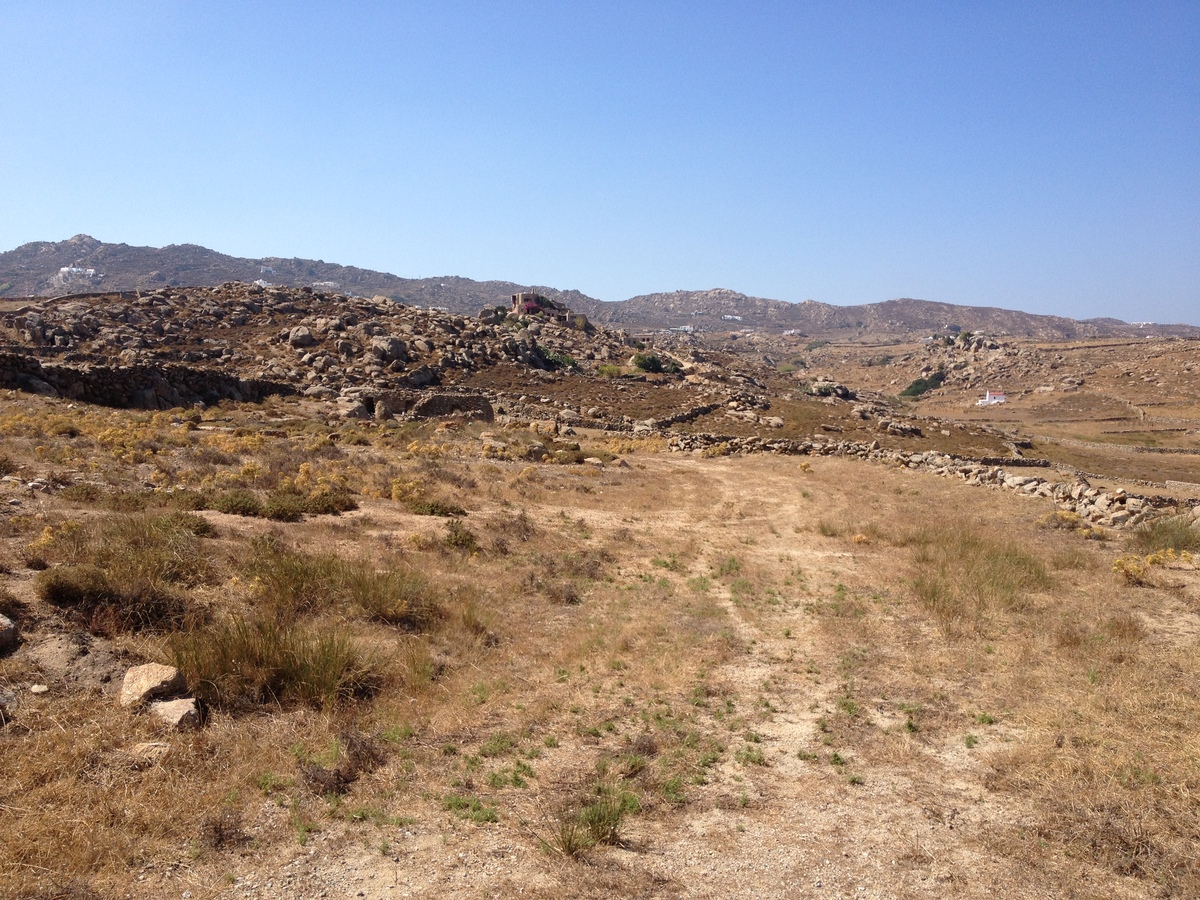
790 823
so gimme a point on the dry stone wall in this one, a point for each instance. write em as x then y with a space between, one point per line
138 386
1113 509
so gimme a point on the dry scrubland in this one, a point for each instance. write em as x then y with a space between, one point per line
1126 410
425 672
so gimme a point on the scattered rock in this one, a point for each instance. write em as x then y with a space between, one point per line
147 753
389 349
179 714
421 377
827 387
9 636
471 406
153 680
301 336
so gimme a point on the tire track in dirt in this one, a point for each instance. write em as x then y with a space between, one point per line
917 826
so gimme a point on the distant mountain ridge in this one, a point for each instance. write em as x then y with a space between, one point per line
34 270
721 309
84 264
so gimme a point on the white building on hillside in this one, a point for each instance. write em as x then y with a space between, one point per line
991 398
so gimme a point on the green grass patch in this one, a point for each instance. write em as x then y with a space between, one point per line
470 808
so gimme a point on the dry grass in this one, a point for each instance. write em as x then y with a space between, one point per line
290 583
588 659
124 573
1037 636
1177 533
963 575
251 660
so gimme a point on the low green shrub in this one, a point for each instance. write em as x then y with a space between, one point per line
470 808
559 360
329 502
189 500
459 537
284 506
280 505
652 362
83 492
424 507
126 501
187 523
238 503
924 385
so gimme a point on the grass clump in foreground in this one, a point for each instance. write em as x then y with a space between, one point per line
296 646
124 573
293 583
594 821
247 660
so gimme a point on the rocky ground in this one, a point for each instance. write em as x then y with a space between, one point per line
794 635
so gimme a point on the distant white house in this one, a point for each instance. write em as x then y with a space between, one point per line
76 275
729 318
326 285
991 398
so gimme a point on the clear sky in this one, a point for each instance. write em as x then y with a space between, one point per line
1037 156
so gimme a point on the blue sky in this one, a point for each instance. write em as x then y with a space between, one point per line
1035 156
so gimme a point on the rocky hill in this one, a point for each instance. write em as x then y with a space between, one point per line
166 348
83 264
717 310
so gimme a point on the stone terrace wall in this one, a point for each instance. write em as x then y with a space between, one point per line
1115 509
138 386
